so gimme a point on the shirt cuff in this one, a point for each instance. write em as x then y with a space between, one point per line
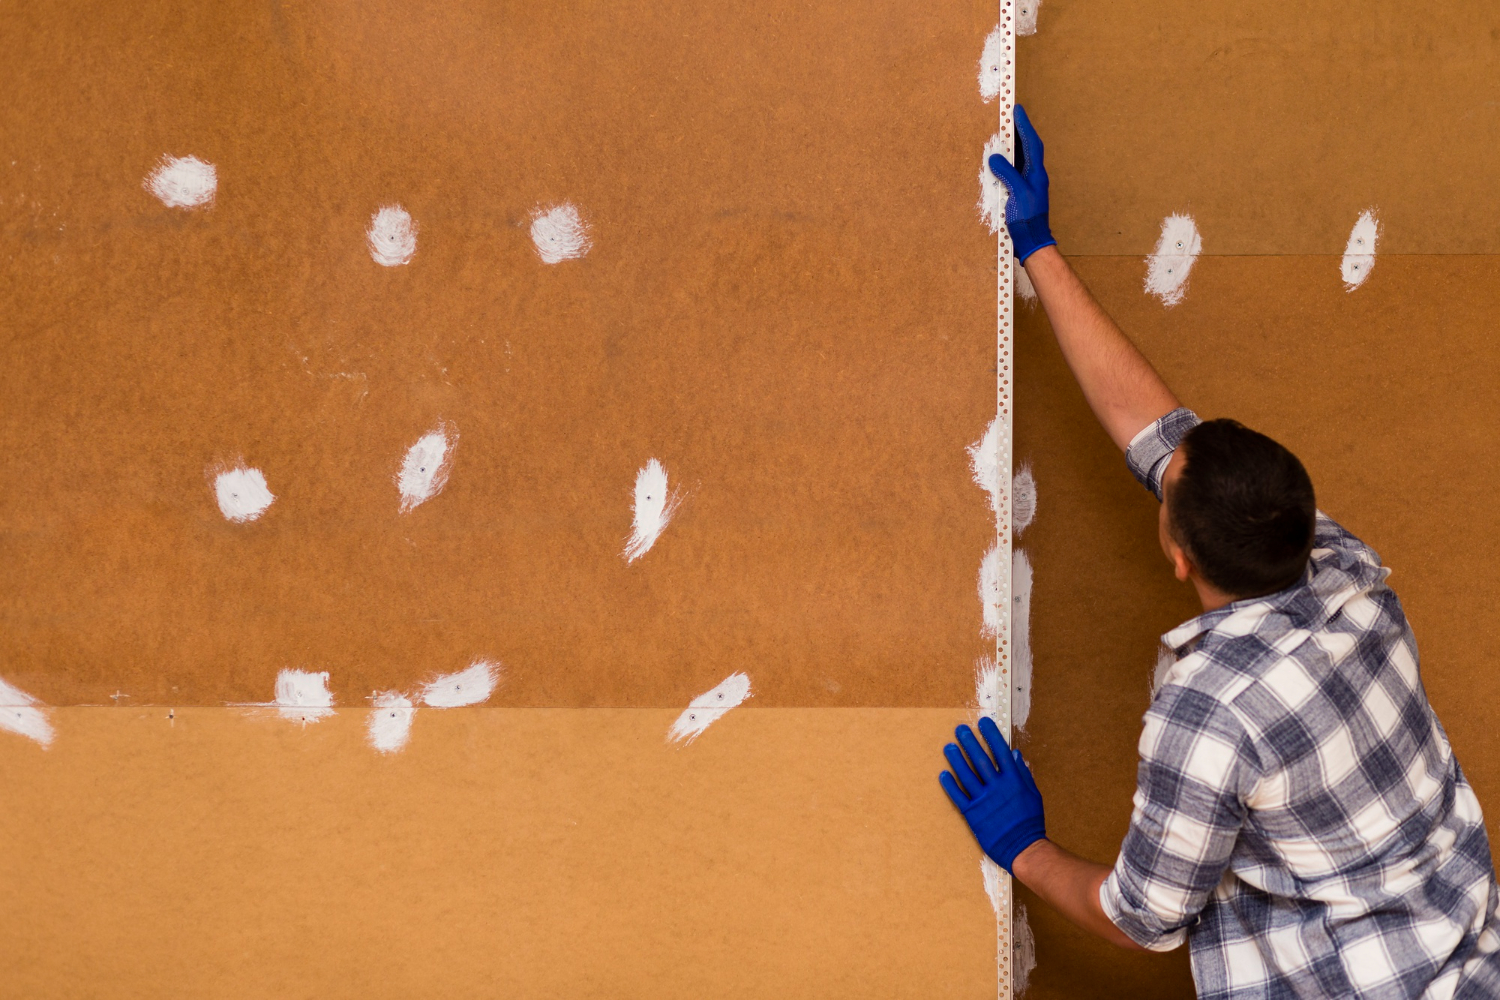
1152 448
1143 932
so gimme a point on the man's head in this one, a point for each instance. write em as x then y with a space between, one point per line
1237 513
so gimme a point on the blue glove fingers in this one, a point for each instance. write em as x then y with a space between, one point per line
982 764
954 792
1024 771
1009 175
1029 144
967 779
998 746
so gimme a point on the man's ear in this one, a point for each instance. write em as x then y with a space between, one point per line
1182 566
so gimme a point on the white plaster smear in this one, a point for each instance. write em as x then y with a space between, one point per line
467 687
559 233
1022 498
989 66
992 194
1359 253
24 715
1026 12
1023 951
183 182
989 692
990 573
392 236
1020 639
1168 267
1024 288
654 506
992 874
984 463
390 721
706 709
1022 940
242 494
424 470
303 695
994 880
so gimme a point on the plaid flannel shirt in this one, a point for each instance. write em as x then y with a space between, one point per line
1299 816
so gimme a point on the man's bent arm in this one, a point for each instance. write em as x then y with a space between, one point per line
1071 885
1121 387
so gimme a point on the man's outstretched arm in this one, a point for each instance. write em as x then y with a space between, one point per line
1121 387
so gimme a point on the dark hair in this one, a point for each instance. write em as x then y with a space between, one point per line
1243 509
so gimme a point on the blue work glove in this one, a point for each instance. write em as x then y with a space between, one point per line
999 799
1026 211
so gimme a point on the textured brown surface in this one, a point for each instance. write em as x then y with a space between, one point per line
789 302
1274 125
508 853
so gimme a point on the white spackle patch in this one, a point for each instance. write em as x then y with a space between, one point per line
1026 12
303 695
467 687
988 690
1024 288
390 721
183 182
654 505
1023 950
989 67
242 494
559 233
992 194
1022 498
1359 253
1020 638
1168 267
989 593
706 709
392 236
984 463
992 874
22 714
424 470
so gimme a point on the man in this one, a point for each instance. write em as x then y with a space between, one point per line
1299 816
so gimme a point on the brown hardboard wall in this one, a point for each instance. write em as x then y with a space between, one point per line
1275 125
790 303
506 853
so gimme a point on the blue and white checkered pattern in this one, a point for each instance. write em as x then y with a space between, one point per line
1299 816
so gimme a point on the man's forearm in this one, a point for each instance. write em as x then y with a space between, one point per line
1071 885
1121 387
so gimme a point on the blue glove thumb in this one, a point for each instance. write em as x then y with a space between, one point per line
1026 209
998 798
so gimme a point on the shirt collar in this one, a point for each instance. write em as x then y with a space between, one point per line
1251 608
1330 580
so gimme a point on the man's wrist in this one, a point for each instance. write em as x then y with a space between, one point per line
1030 235
1041 255
1031 856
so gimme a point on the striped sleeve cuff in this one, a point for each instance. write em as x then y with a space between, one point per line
1137 923
1150 450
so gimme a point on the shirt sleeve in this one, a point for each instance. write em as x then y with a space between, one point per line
1197 768
1149 450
